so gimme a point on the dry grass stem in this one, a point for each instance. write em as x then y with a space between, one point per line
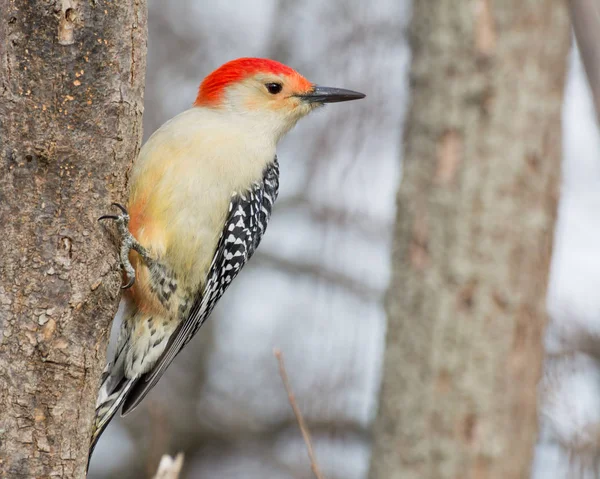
303 428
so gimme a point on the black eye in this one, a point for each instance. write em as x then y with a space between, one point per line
274 88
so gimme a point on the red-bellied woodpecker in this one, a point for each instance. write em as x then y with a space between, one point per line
201 193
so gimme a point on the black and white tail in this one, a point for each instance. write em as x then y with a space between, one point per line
113 391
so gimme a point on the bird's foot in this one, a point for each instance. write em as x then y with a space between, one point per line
128 243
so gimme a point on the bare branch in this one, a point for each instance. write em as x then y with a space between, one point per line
303 428
368 227
360 290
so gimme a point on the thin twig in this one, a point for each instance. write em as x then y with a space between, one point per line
303 428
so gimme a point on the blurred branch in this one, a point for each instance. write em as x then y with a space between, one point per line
303 428
367 226
585 15
169 468
360 290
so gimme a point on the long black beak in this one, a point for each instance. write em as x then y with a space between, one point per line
325 94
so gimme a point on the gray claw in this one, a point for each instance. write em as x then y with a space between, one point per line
128 242
130 283
121 207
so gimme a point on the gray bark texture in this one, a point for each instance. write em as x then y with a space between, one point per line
71 87
476 210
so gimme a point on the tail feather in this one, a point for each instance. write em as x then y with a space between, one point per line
113 392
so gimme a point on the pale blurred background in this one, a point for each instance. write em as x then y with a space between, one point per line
315 287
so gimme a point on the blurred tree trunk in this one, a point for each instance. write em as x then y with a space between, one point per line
71 86
473 240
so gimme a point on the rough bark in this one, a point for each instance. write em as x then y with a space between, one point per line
71 86
476 209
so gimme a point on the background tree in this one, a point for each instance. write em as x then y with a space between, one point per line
473 238
568 444
71 86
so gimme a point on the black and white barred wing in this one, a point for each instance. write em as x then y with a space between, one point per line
246 223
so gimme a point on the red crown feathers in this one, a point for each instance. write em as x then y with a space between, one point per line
212 88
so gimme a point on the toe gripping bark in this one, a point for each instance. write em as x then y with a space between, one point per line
127 243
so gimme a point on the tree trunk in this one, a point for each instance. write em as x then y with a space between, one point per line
473 240
71 86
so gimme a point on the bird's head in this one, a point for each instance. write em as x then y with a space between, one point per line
273 95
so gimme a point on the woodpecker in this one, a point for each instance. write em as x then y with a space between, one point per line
201 194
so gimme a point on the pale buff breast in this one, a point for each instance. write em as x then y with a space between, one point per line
182 182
